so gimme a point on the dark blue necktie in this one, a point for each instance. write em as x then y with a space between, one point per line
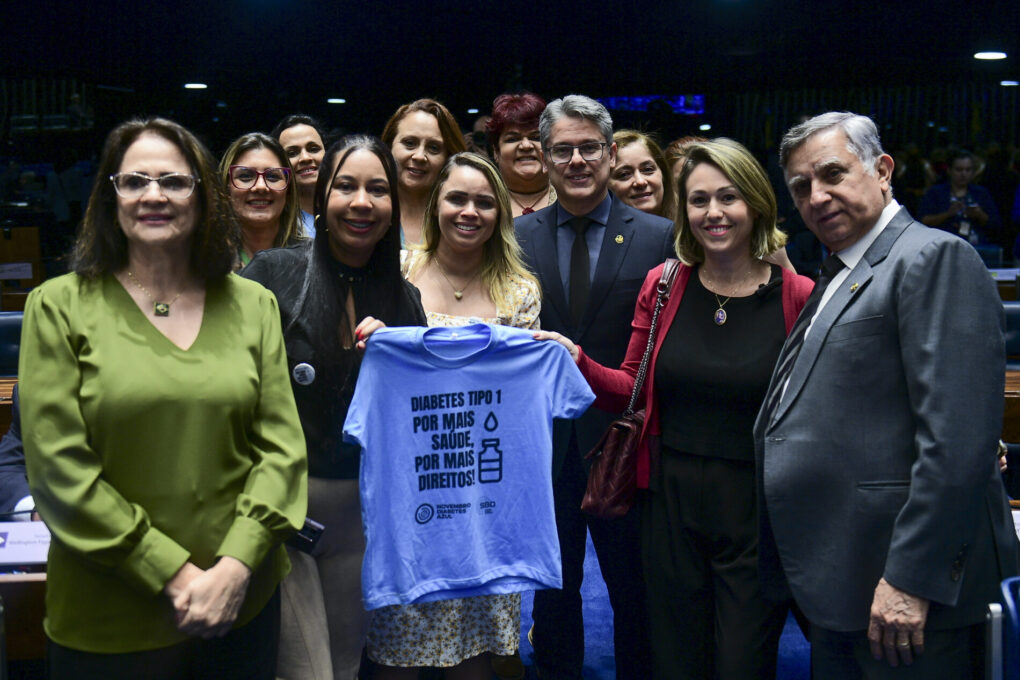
788 357
580 269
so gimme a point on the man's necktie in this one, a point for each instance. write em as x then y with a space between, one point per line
832 266
580 278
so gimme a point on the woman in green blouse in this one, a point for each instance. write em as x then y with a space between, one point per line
163 446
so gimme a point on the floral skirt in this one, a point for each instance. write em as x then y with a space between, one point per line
445 632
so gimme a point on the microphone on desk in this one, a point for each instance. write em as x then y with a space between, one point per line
15 515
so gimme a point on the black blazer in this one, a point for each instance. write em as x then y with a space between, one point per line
634 243
13 479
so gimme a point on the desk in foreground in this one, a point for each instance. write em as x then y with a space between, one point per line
24 545
1011 412
6 400
24 598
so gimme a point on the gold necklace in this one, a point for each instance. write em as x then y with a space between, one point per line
158 308
459 294
720 315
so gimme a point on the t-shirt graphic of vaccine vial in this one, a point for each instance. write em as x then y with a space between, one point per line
455 426
490 462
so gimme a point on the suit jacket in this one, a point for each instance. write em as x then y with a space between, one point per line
13 479
634 243
880 458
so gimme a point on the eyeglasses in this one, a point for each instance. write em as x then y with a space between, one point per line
174 185
244 177
562 153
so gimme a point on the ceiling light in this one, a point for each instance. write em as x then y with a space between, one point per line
336 100
195 86
705 128
990 56
1009 83
472 111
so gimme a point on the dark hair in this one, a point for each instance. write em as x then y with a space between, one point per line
325 292
678 148
294 119
958 154
522 109
102 247
453 139
289 231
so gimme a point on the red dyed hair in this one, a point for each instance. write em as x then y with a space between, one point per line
513 109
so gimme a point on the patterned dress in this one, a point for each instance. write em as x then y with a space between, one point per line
447 632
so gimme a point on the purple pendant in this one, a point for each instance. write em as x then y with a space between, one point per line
720 316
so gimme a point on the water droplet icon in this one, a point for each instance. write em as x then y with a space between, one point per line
490 422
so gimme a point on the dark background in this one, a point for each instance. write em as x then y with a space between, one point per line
265 58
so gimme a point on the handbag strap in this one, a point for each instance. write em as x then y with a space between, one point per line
663 289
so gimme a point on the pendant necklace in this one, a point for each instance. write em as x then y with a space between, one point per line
528 209
720 313
459 294
158 308
720 316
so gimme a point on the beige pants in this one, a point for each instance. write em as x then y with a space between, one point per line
323 623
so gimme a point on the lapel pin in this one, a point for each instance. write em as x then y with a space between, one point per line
853 288
619 238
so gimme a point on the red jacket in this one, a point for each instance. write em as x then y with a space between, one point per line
612 386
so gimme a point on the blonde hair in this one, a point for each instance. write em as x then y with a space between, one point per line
502 263
740 167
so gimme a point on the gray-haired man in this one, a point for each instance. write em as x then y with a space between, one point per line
882 508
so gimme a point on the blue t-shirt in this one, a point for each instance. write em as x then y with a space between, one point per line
308 222
456 464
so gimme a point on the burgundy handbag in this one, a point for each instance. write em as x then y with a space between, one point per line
613 477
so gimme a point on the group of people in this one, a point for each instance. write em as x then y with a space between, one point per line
806 445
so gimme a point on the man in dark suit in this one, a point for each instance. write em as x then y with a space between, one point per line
591 253
882 507
14 494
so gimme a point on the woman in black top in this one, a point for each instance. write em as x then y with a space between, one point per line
718 338
333 292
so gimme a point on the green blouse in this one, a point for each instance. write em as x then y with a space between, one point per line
142 456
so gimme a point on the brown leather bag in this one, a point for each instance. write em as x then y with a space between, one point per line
612 481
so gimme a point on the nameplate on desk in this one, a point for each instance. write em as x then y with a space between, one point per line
16 270
1005 274
23 543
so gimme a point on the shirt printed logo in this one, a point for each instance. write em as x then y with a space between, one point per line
424 513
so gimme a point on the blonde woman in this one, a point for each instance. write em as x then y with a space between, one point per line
468 269
470 265
718 339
